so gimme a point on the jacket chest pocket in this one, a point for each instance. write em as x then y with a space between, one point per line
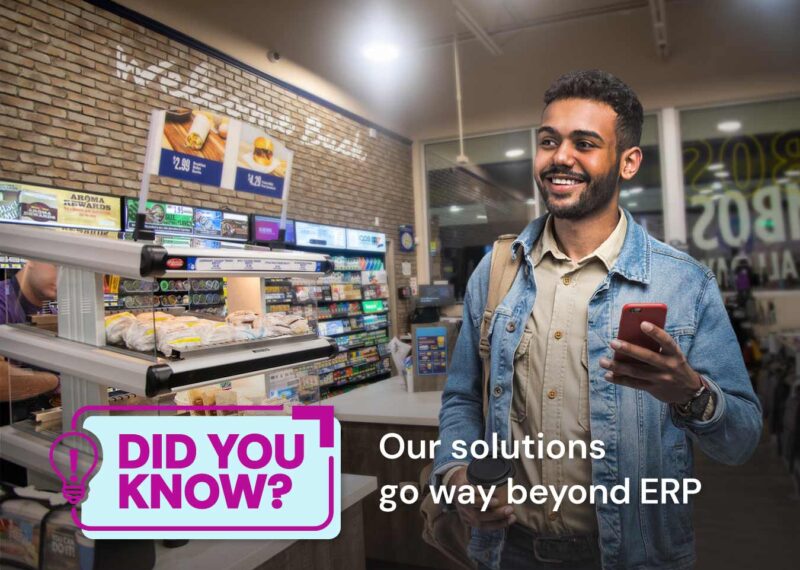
522 377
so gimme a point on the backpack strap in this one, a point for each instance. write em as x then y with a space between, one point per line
501 277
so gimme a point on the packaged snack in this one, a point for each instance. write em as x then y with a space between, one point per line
116 325
227 398
210 399
140 336
196 399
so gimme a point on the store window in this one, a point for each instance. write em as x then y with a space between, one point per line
741 172
471 204
642 195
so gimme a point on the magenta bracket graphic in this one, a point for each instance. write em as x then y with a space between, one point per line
323 414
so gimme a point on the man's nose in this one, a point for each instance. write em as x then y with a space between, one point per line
564 155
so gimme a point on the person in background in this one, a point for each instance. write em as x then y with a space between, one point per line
24 294
23 390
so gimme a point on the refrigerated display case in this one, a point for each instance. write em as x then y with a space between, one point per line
157 356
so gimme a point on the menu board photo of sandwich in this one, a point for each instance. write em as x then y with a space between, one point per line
262 163
193 145
204 147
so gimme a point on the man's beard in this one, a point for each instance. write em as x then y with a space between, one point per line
597 195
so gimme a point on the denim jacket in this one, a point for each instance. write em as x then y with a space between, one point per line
642 436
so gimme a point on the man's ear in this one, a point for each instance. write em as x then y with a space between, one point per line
630 161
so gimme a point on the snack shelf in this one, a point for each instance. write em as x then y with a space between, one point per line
383 372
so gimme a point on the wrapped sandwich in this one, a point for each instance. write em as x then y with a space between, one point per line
116 325
198 132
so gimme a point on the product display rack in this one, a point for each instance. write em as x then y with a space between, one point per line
79 353
352 305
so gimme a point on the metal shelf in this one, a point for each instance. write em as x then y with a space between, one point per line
145 259
150 375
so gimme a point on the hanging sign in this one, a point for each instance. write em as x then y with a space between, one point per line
208 148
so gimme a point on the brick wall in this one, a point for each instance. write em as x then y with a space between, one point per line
77 84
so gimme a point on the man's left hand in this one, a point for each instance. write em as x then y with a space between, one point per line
666 374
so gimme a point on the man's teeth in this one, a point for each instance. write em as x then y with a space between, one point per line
565 181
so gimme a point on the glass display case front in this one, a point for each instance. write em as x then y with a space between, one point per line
69 337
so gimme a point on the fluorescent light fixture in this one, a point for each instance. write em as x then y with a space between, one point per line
624 194
792 173
716 186
633 204
455 209
716 166
530 201
482 217
722 174
515 152
636 190
706 191
380 52
729 126
782 181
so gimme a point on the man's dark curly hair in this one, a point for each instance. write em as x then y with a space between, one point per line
598 85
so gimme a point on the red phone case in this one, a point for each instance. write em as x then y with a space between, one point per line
630 325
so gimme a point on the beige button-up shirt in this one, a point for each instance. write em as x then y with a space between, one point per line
551 378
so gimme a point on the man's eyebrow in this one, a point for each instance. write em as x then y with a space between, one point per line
583 133
546 129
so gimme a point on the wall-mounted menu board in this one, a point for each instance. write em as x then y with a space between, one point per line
362 240
175 219
202 146
32 204
265 228
317 235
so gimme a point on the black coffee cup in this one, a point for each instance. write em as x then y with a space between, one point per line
490 471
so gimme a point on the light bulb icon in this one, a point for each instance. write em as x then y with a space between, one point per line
73 483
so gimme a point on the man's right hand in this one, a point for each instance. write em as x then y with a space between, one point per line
498 516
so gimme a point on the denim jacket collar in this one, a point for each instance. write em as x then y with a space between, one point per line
633 262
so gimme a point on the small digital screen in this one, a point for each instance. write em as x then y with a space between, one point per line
207 222
235 226
361 240
161 217
316 235
266 229
435 296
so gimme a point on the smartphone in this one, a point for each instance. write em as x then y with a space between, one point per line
630 326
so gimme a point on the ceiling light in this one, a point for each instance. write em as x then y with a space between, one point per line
636 190
379 52
482 217
706 191
455 209
782 181
792 173
715 166
729 126
530 201
716 186
722 174
632 204
514 152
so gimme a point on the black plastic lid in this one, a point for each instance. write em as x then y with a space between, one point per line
490 471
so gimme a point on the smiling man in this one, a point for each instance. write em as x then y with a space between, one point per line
550 349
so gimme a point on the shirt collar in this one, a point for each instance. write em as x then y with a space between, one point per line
634 258
607 252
